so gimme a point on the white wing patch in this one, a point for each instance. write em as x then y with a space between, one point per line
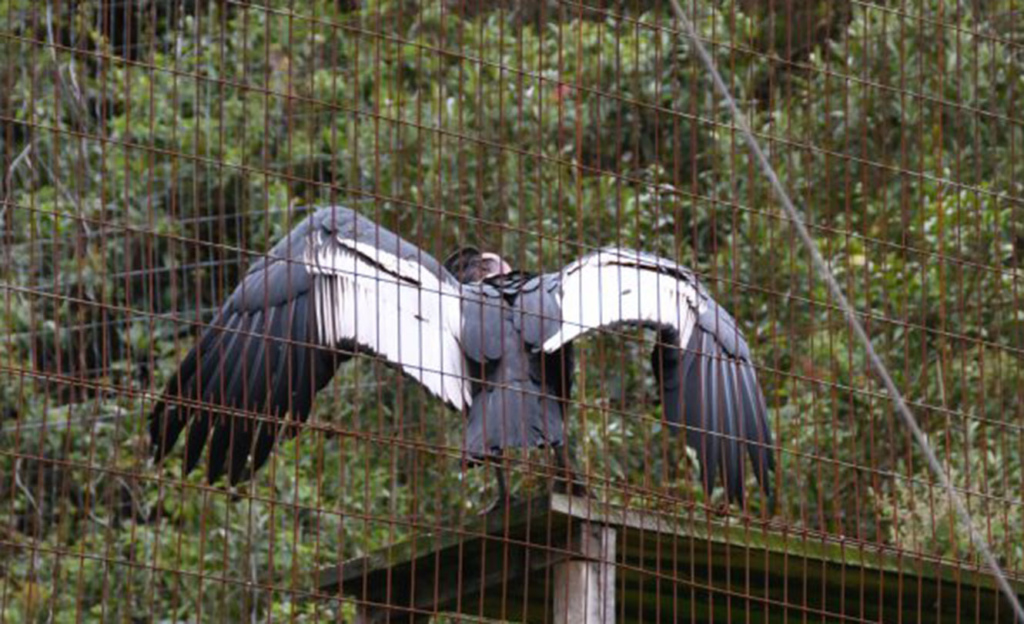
614 286
394 307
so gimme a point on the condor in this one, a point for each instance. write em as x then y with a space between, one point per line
490 342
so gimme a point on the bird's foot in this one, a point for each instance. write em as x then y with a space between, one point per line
720 509
496 504
578 489
571 486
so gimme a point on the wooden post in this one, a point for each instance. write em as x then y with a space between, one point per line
585 587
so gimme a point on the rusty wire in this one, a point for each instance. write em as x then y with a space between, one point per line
153 149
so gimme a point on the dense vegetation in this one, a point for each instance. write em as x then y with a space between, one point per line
149 148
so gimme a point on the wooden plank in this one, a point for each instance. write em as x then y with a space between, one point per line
776 539
514 524
669 566
722 571
467 571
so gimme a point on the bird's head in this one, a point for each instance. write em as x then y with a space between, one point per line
469 264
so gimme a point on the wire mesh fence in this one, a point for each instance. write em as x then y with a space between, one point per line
153 151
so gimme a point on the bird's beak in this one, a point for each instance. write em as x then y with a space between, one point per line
500 267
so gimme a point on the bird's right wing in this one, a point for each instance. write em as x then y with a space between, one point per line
382 294
339 283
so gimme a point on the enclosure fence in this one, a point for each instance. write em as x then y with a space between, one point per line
153 152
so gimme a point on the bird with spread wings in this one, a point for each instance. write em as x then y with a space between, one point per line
492 343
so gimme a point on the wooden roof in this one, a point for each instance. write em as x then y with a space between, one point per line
669 567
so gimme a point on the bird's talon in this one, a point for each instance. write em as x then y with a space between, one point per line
496 504
572 487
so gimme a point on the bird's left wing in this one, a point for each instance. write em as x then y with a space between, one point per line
702 362
385 295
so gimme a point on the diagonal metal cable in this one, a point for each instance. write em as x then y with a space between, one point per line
826 274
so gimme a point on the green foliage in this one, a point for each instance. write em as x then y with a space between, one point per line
139 180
